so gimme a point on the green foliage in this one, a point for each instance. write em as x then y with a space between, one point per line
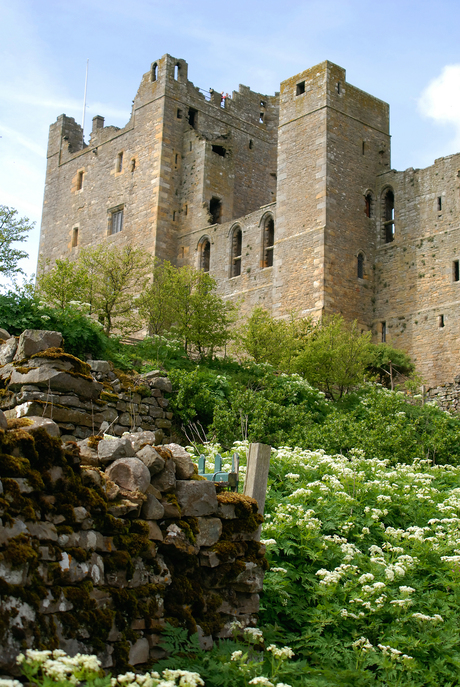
335 356
387 363
13 230
67 281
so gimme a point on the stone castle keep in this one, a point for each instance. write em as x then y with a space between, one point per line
288 200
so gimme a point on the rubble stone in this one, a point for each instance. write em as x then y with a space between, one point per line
196 498
34 341
129 473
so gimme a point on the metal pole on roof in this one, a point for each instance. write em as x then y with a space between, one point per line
84 102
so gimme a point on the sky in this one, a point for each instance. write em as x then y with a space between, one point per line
404 52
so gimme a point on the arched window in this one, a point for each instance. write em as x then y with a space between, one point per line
177 72
360 266
236 247
388 215
368 204
154 72
205 254
268 240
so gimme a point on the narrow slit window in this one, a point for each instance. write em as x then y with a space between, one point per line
251 144
116 222
236 249
339 88
456 270
179 114
215 210
174 215
364 148
368 205
74 237
192 117
133 164
176 158
384 331
441 321
80 181
205 255
154 72
360 266
268 242
186 210
261 118
389 216
439 203
177 72
119 162
300 88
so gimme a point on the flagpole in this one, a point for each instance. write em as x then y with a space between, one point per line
84 102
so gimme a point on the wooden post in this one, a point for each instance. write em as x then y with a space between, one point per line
255 483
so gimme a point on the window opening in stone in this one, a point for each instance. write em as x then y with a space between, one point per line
389 216
192 117
176 72
384 332
251 144
439 203
268 242
154 72
215 210
133 165
80 181
120 162
186 210
237 244
360 266
300 88
262 103
456 270
179 114
174 215
261 118
176 159
205 255
440 321
368 204
219 150
339 88
116 222
74 237
364 147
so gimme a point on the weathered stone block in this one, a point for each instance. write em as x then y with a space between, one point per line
196 498
152 508
166 479
184 465
109 450
210 531
34 341
129 473
162 383
8 350
151 459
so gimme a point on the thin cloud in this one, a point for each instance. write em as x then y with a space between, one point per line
440 100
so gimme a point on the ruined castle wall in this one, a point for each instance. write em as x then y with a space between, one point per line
358 146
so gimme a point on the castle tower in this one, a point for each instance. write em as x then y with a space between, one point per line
333 142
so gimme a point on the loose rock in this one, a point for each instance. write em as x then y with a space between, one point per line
129 473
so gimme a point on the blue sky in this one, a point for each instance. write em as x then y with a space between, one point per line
406 53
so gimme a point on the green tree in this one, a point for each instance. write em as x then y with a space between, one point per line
387 364
67 281
156 303
335 356
115 277
13 230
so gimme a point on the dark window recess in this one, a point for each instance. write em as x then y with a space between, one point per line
74 237
368 205
300 88
384 332
251 144
389 216
456 270
192 117
120 162
133 164
261 118
441 321
80 181
179 114
116 222
237 244
205 255
339 88
174 215
219 150
262 103
360 266
215 210
439 203
176 159
154 72
268 242
186 210
364 147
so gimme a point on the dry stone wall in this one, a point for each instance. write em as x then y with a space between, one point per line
38 379
105 540
446 396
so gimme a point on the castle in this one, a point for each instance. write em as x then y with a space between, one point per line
289 201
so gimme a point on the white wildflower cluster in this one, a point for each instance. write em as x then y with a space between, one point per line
10 683
253 634
363 644
171 678
280 570
60 667
134 679
394 654
436 618
282 653
329 577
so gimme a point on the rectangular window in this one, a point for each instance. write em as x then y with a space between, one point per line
179 114
456 270
116 222
120 162
74 237
80 181
300 88
384 332
219 150
439 203
440 321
